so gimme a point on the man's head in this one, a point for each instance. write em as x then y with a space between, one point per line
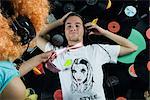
74 28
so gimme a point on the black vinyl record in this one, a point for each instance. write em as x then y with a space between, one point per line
124 30
140 65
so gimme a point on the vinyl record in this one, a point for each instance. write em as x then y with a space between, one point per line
141 26
91 2
113 25
148 33
68 7
140 65
148 65
129 8
58 95
115 7
128 14
131 71
119 27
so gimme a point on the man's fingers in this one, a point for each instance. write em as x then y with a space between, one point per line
91 33
88 24
66 15
54 55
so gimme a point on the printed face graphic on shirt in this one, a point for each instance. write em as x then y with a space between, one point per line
79 73
82 77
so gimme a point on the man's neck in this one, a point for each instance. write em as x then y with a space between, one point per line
75 45
70 44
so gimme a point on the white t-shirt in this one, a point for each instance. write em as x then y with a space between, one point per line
81 74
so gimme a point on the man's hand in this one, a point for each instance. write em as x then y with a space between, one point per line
126 46
61 20
95 29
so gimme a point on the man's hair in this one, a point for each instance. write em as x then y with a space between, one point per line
74 14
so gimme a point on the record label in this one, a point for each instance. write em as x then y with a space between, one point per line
148 33
114 26
130 11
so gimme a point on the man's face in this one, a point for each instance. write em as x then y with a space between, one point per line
74 29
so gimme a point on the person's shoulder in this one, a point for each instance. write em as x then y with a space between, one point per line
7 63
96 46
49 47
91 46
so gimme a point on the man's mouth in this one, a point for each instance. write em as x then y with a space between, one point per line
73 33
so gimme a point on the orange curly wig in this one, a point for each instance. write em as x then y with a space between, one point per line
10 47
37 11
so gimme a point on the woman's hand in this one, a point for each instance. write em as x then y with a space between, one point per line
35 61
43 57
50 55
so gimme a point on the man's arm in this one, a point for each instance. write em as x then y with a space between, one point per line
41 42
126 46
51 26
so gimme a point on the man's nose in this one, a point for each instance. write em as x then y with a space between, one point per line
73 28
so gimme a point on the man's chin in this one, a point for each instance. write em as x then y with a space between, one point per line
74 38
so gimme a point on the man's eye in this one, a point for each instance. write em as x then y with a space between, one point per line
69 26
77 25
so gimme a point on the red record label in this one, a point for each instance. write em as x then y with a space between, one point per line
114 26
